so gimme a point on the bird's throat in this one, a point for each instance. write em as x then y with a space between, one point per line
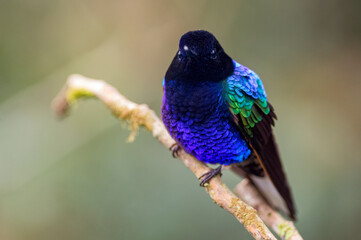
193 97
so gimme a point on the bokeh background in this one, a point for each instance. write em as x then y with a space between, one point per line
79 179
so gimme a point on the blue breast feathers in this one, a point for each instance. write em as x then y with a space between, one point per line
198 118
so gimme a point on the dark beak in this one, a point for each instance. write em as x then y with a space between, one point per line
191 53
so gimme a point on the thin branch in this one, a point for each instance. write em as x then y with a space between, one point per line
78 86
285 229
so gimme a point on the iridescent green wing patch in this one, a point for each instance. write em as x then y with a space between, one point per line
244 90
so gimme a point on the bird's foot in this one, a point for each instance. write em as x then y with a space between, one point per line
175 149
209 175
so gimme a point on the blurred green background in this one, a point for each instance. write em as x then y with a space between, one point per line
79 179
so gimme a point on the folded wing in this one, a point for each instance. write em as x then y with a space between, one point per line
254 116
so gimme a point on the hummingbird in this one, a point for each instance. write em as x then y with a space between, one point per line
217 110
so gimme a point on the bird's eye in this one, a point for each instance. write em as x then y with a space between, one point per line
213 54
180 55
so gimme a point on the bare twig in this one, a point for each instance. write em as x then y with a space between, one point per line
78 86
285 229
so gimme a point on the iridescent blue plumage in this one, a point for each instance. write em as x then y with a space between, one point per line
197 117
248 81
217 110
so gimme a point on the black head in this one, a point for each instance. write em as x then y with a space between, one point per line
200 58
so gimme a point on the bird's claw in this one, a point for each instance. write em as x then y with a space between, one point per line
209 175
175 149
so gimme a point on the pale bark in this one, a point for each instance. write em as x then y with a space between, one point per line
137 115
